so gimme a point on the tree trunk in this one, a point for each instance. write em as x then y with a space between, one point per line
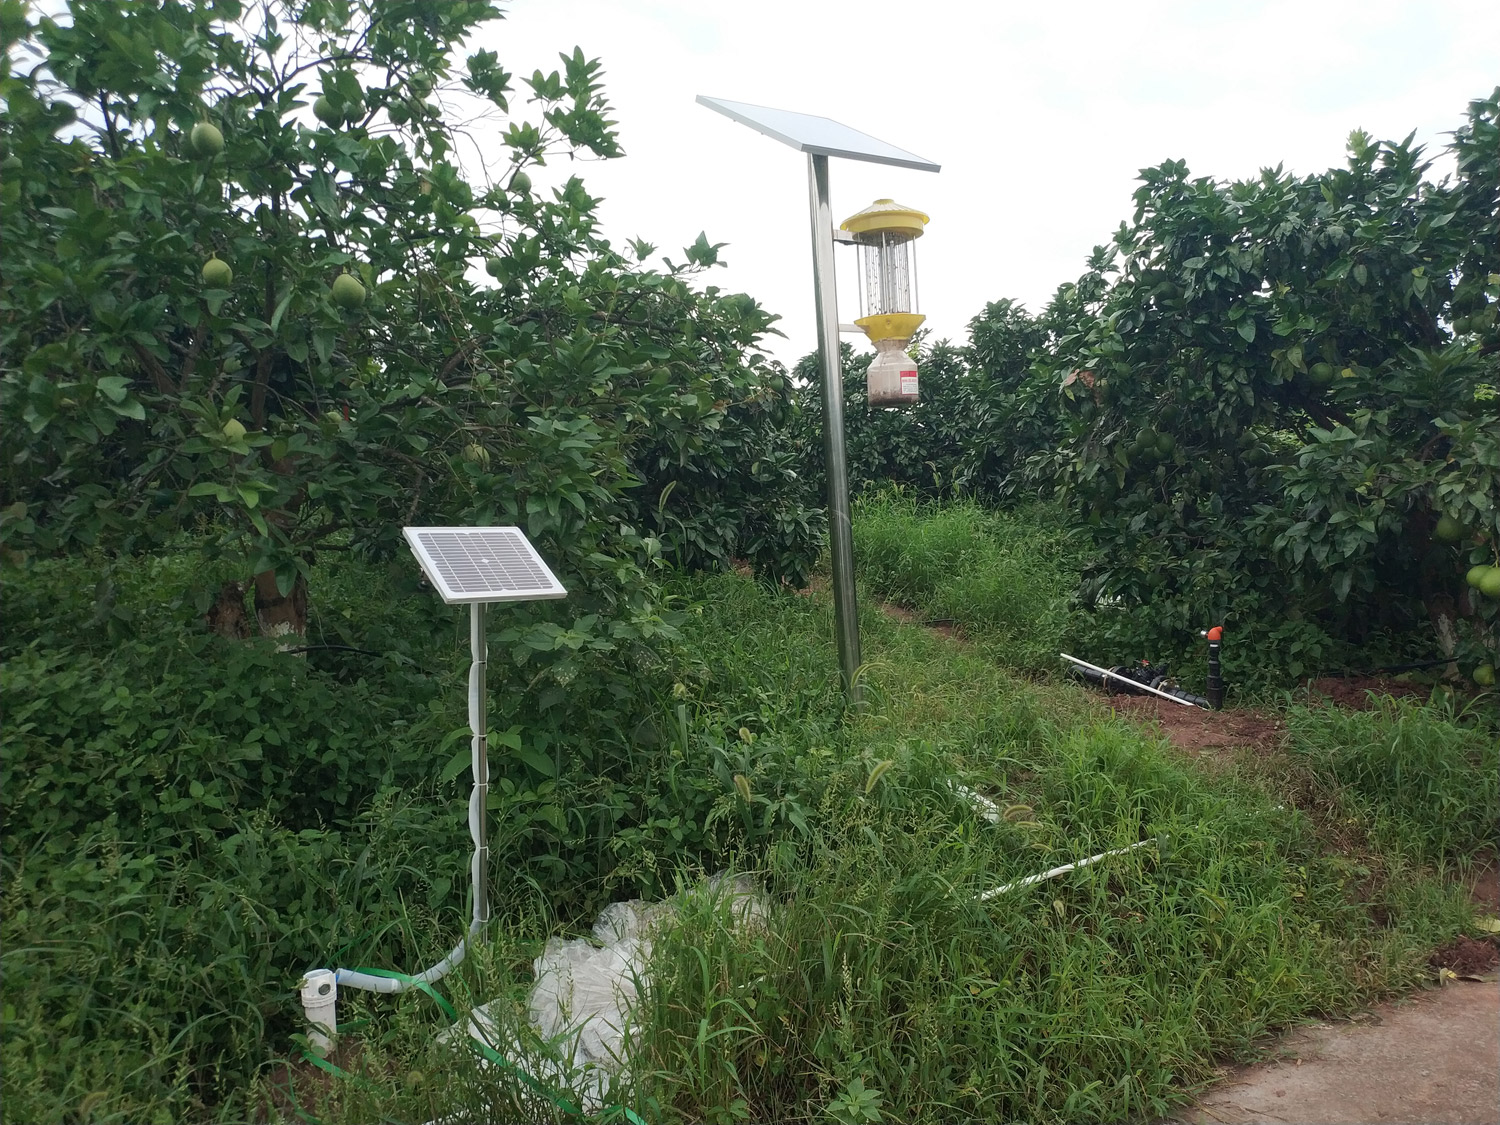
1441 611
226 616
281 617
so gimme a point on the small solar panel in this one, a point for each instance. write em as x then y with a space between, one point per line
482 564
821 136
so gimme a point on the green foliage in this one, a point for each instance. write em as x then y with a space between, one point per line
150 953
271 407
147 972
1004 578
1276 389
190 821
1426 779
981 413
880 982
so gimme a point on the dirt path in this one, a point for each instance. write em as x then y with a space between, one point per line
1430 1058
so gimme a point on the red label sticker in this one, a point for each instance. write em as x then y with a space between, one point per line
908 382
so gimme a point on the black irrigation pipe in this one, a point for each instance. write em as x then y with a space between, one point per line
1345 673
300 649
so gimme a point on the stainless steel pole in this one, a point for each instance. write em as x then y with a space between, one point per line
840 531
479 726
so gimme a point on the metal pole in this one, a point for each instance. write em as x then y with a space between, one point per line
840 531
480 761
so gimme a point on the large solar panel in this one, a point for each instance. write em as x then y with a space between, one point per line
482 564
822 136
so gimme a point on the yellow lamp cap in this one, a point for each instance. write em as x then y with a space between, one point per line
891 326
886 216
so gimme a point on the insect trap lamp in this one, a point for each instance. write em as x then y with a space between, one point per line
474 566
886 233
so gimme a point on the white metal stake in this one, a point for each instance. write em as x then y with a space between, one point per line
830 360
480 761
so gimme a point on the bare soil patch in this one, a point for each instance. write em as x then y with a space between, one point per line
1466 956
1198 730
1434 1057
1361 693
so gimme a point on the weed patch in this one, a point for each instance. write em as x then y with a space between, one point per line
151 953
1425 778
1004 578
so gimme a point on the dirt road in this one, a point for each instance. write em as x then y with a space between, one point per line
1430 1058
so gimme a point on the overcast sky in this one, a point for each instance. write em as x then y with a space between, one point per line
1040 114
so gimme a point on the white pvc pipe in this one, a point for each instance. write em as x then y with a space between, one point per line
1134 684
320 995
979 802
368 982
1063 870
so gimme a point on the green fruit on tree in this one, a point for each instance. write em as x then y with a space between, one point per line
495 267
234 429
1484 675
354 111
1256 456
327 112
477 454
1476 575
217 274
1166 444
1449 530
520 183
420 83
1489 585
205 141
347 292
1321 375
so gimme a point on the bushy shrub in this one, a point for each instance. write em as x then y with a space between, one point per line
1281 408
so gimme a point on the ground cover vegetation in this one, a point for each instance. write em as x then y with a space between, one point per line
169 875
243 340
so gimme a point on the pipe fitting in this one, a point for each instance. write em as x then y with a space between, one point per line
320 997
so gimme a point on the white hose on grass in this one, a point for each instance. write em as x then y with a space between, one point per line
1063 870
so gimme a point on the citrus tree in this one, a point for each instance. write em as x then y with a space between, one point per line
1282 404
980 413
240 312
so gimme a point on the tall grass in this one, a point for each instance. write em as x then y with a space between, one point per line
883 988
1004 578
1425 778
150 978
